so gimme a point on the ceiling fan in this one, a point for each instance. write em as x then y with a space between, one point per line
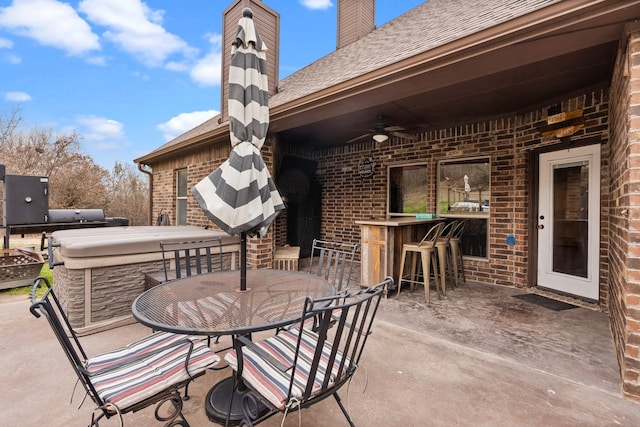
381 132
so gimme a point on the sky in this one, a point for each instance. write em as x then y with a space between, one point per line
130 75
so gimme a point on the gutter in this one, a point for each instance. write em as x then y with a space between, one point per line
150 175
214 136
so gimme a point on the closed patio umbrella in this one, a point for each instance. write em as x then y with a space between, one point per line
240 196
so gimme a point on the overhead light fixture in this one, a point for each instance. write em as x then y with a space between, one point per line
380 137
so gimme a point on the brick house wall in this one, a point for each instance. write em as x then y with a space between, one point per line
347 197
199 164
510 143
624 253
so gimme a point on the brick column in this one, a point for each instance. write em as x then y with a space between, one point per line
624 255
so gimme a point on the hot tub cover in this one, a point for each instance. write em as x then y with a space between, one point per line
111 241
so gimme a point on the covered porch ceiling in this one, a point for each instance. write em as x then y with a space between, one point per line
503 75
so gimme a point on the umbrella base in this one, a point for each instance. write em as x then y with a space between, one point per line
218 401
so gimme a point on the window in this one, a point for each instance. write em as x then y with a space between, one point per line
407 190
464 192
181 197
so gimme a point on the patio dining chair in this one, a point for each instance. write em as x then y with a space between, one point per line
444 253
149 371
422 253
190 258
300 367
455 249
333 261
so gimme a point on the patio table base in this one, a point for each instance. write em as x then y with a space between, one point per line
217 403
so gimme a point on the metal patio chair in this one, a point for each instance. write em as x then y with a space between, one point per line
455 249
333 261
149 371
300 367
444 253
183 259
421 253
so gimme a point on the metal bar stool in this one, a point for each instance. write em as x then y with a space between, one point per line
456 253
443 253
426 248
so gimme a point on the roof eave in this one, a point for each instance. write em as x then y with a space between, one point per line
215 136
526 27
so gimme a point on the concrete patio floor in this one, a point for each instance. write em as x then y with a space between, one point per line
479 357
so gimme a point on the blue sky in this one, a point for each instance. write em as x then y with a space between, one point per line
129 75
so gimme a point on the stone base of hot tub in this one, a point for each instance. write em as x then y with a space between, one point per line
103 269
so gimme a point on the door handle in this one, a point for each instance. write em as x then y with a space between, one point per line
540 226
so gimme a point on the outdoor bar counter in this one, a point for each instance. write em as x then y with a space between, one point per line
381 245
100 271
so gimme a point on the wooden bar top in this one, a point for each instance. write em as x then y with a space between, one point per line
398 222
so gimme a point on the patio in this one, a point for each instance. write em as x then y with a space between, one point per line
479 357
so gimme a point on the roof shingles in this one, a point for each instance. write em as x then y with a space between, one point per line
430 25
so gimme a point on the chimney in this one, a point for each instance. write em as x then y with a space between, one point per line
356 19
268 26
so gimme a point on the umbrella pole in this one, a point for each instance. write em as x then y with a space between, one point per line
243 261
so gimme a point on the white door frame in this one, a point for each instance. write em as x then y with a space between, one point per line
587 287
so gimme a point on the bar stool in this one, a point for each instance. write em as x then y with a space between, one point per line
443 253
426 248
456 253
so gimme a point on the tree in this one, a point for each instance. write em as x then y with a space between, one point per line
128 194
75 180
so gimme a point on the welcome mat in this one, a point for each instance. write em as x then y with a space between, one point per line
545 302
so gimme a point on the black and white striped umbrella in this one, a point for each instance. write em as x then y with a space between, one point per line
240 196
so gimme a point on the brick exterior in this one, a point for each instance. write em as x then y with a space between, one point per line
623 256
347 197
507 142
200 164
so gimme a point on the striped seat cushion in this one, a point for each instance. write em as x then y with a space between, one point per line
133 351
204 311
273 384
145 368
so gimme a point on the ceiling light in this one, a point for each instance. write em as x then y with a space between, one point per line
380 137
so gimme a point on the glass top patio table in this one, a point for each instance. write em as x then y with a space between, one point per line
212 304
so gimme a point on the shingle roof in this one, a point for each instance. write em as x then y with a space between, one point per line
432 24
427 26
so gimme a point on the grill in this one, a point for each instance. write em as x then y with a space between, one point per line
26 209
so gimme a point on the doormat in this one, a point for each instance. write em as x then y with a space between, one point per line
545 302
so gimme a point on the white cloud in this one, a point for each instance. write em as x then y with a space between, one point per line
5 43
97 60
207 70
102 132
137 29
17 97
317 4
184 122
11 58
50 23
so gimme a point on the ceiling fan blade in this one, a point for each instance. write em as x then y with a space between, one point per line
404 135
359 137
393 128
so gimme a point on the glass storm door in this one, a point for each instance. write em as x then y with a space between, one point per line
569 221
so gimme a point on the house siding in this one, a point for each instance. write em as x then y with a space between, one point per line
347 197
199 164
509 143
624 301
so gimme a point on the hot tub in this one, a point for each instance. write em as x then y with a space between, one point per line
100 271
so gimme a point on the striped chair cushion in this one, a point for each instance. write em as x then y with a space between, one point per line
273 384
206 311
133 351
141 372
